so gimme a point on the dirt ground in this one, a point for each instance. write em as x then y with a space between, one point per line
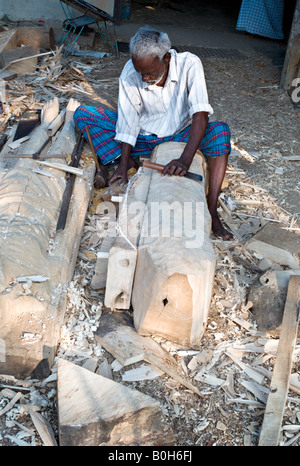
233 366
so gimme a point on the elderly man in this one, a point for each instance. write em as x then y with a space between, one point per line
162 97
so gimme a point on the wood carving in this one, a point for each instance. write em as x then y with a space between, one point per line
175 261
35 264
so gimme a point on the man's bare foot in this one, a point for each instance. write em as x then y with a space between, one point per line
219 231
121 172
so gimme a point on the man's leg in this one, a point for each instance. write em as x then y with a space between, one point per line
101 124
217 168
216 147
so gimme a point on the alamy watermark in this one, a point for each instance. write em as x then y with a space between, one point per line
161 219
295 95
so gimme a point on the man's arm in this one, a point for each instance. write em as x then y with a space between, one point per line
180 166
124 165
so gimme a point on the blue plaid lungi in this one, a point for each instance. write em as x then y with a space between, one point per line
262 17
102 125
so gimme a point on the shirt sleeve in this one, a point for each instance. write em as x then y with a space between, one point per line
129 110
197 90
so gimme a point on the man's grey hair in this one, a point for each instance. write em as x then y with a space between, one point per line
149 42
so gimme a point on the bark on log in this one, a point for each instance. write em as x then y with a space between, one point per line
176 262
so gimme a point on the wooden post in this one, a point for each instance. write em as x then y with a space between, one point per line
291 67
271 427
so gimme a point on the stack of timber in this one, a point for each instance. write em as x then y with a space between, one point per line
37 263
167 253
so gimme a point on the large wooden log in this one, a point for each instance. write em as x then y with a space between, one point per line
36 264
37 36
175 262
121 263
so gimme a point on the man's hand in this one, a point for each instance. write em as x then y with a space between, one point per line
126 162
181 166
176 167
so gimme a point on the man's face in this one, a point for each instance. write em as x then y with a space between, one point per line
152 69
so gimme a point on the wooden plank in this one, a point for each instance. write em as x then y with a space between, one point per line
292 57
278 245
63 167
99 278
67 195
8 39
57 123
44 428
96 411
120 273
7 75
271 426
117 336
20 60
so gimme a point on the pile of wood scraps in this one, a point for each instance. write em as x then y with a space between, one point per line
51 67
240 365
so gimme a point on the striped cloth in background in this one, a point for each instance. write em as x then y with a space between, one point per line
262 17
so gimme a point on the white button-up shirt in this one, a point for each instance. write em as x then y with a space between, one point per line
162 111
